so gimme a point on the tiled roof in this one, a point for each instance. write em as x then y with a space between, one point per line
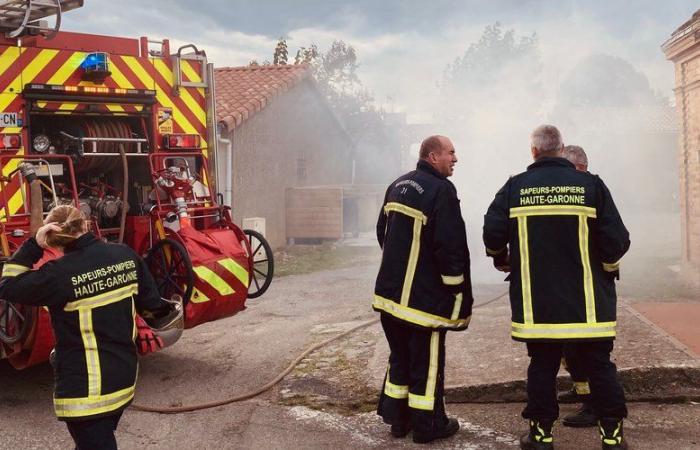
243 91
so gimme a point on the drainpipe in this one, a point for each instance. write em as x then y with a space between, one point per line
228 177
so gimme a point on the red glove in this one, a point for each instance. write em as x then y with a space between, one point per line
146 340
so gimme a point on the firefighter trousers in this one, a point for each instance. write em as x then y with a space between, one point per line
576 368
414 384
95 434
607 397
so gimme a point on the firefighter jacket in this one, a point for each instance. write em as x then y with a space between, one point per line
93 293
559 231
424 277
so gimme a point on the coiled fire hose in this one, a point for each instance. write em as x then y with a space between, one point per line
274 381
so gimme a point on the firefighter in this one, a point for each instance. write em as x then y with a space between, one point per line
423 289
557 231
581 390
93 293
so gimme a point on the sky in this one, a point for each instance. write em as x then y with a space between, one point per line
403 46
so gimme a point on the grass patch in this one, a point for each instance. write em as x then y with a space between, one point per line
300 259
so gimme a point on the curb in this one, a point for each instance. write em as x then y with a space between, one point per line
663 384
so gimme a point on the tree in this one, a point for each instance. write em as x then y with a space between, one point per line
497 67
279 58
602 80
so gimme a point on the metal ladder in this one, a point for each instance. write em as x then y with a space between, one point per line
20 17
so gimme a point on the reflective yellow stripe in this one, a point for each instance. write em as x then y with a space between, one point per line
457 307
588 291
553 210
236 269
103 299
416 316
407 210
611 267
452 280
396 391
12 270
495 252
525 269
412 262
92 357
207 275
563 330
198 296
427 402
90 406
582 387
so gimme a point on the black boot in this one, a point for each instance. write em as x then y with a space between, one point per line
450 429
400 430
539 437
611 434
583 417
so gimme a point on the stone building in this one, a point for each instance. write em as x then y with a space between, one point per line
283 136
683 49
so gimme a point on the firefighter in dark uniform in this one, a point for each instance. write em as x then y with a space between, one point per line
93 293
581 390
558 232
423 289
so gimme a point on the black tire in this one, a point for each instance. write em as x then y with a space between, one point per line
15 321
262 263
174 276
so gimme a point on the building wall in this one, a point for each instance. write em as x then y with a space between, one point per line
686 56
294 141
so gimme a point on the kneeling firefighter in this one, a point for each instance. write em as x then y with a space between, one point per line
93 293
423 289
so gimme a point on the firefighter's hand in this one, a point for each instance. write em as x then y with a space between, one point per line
43 231
146 340
501 262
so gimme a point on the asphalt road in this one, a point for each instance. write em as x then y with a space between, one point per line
235 355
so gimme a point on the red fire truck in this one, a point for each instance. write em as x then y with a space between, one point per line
125 130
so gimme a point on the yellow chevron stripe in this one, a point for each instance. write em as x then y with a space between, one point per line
15 203
38 63
192 74
6 100
198 296
68 106
11 165
67 69
120 79
236 269
8 57
115 108
210 277
190 71
162 97
186 97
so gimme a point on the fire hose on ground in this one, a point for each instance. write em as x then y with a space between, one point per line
266 387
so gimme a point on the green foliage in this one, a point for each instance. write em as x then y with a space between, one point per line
280 56
497 63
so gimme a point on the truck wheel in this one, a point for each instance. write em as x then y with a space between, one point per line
262 264
171 267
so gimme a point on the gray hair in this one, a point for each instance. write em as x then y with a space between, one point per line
546 139
576 155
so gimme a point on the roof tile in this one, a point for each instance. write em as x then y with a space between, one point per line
243 91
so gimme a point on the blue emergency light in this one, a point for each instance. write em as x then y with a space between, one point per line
96 67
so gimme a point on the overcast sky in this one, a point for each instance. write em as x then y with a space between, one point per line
403 46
